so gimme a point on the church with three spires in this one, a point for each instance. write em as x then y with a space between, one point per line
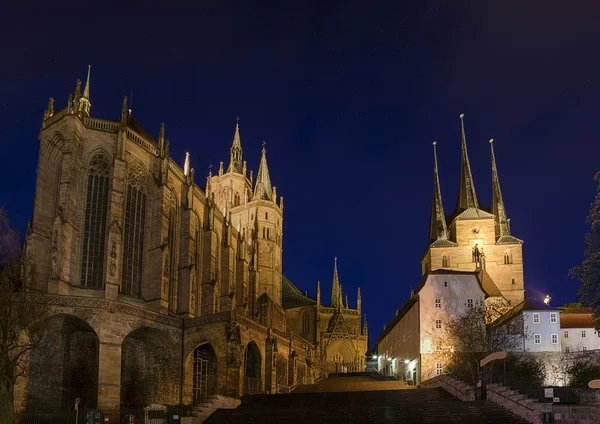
471 256
161 290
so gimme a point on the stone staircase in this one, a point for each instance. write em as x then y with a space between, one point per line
354 405
201 412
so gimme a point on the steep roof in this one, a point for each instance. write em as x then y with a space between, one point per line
135 125
292 297
576 318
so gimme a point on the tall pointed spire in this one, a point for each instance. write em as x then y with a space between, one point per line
502 228
467 198
438 229
86 90
336 292
262 189
235 158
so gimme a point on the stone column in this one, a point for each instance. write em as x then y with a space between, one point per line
109 375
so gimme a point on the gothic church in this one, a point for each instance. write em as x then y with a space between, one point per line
162 291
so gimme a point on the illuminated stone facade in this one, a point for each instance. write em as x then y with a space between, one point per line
162 292
470 255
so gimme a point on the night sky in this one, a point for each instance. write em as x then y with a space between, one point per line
349 96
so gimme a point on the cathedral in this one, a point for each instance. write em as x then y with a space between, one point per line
162 291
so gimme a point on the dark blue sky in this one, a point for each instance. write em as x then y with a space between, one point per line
349 96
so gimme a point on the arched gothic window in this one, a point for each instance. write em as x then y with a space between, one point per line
305 323
445 261
264 232
236 199
506 258
94 226
135 219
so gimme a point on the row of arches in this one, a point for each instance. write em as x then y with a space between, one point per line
150 368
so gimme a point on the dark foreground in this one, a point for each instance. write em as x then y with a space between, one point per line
362 399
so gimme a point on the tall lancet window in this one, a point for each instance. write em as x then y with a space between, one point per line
133 243
94 226
172 252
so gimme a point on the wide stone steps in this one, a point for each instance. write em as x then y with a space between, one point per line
373 407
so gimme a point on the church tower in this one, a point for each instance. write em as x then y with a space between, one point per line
253 209
474 238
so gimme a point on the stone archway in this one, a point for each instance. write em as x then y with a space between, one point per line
150 367
341 357
66 369
204 383
252 369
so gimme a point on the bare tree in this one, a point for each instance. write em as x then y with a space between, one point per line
471 339
22 316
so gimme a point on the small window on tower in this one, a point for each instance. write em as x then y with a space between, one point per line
438 324
264 232
438 303
513 281
445 284
445 261
266 215
506 258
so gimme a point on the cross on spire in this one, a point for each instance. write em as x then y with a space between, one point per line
237 120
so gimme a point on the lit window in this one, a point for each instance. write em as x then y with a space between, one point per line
554 338
582 333
438 323
438 303
567 349
536 318
135 222
537 338
584 348
438 368
470 303
553 317
92 262
566 334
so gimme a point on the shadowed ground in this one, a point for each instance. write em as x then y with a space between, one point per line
361 399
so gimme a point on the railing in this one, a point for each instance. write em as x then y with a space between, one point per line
142 142
101 124
565 394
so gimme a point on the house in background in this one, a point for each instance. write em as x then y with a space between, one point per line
577 330
413 346
540 326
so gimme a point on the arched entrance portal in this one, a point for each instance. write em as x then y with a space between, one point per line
65 369
149 368
252 369
205 373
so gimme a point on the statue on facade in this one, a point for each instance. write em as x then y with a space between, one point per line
113 258
54 255
476 254
234 343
